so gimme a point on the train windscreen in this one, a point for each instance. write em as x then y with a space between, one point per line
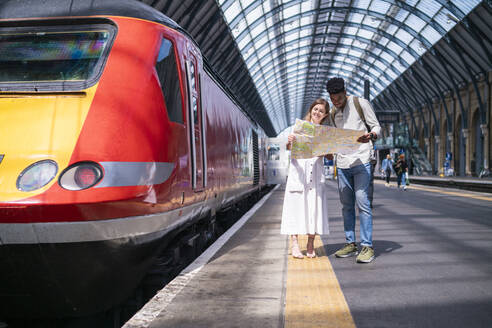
50 56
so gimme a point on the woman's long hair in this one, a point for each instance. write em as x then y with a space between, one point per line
316 102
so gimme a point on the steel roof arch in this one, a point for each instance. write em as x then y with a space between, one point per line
348 86
348 36
349 72
277 9
327 35
382 60
348 64
345 9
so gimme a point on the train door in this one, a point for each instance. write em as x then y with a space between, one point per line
195 121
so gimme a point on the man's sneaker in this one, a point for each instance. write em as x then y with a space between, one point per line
347 250
366 255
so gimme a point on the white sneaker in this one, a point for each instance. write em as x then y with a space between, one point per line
405 188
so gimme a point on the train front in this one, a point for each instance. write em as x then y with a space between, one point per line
83 163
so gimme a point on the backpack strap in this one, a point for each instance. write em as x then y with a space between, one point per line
358 107
333 111
361 113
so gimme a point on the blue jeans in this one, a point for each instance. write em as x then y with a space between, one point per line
353 186
401 179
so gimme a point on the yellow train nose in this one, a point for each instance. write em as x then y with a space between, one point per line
38 127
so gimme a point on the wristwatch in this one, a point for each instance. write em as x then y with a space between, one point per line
374 136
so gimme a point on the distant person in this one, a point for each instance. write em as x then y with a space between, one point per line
401 170
370 192
305 203
387 166
354 170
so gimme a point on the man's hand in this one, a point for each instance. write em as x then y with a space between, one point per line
365 138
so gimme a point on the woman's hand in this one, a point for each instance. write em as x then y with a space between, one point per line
290 139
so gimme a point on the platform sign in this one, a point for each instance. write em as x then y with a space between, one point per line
449 156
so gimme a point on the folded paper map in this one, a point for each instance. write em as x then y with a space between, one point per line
317 140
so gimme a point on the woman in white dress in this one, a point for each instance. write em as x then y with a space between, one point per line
304 210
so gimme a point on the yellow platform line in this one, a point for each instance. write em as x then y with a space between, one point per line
313 296
451 193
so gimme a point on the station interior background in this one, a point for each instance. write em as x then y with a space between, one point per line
425 65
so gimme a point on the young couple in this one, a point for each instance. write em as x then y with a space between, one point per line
305 204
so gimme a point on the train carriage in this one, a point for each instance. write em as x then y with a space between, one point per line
115 135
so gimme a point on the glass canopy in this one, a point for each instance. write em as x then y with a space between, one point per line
292 48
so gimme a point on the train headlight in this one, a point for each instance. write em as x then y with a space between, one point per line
80 176
37 175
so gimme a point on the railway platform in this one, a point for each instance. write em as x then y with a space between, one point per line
465 183
433 268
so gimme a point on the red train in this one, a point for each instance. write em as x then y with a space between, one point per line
115 135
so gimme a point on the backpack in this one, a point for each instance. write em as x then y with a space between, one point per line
397 167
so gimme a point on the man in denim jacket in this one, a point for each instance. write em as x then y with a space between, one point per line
387 167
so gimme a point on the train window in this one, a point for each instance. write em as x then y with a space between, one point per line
167 70
40 56
195 93
274 152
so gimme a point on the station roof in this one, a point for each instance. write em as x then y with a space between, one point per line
276 55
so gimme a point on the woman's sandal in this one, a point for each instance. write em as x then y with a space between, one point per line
310 249
311 255
296 252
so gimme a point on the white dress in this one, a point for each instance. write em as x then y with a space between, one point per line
305 203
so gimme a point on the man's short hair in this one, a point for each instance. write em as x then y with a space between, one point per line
335 85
